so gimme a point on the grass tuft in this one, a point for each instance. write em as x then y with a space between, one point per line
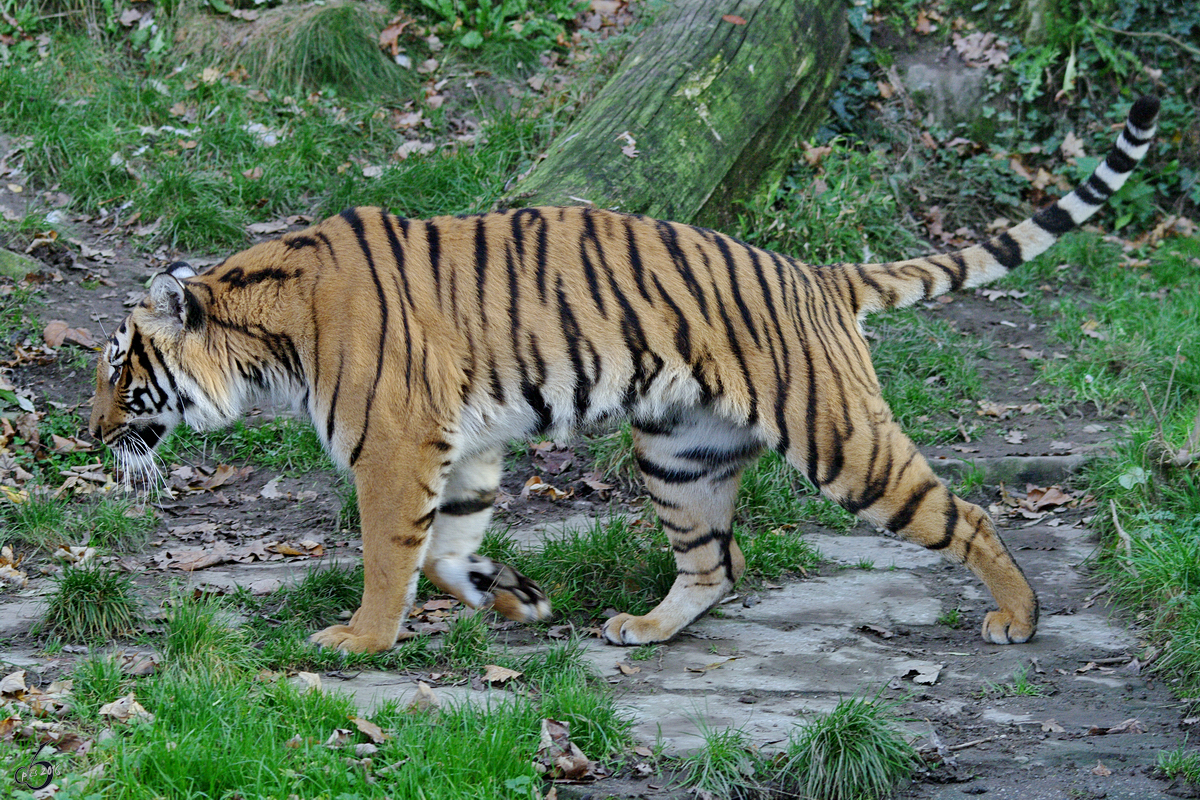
1181 763
97 679
856 751
91 604
725 766
198 636
39 521
303 49
321 596
1019 686
468 643
577 570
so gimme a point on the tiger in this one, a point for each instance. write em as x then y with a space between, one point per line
420 348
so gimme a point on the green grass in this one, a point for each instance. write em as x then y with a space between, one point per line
856 751
1019 686
928 373
1150 316
285 444
222 726
951 619
97 680
614 564
1143 314
854 219
197 635
772 494
44 522
1181 763
207 156
91 604
38 522
725 766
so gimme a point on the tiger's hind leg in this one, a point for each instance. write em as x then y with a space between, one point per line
691 468
884 479
464 510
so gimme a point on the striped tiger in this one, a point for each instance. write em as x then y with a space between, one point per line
420 348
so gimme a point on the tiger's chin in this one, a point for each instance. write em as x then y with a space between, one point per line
137 467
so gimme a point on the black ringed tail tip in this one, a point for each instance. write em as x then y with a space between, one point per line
1145 111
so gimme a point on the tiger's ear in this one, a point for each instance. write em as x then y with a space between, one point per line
180 270
171 301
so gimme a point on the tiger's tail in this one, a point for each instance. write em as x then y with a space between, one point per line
902 283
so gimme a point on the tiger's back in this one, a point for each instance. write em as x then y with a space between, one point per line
419 348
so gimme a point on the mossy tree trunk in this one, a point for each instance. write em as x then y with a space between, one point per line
701 114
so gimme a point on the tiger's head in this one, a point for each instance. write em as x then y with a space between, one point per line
140 396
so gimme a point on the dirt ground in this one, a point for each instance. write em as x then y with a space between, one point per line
775 654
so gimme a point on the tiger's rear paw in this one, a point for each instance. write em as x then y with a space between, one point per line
1005 627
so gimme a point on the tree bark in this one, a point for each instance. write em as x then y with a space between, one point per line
701 114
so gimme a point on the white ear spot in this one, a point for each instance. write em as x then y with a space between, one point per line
181 270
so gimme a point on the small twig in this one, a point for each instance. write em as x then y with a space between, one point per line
1157 35
1154 411
954 748
1126 542
1109 662
940 749
1171 380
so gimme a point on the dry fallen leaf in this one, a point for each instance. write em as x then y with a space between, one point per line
309 681
1038 498
1072 146
425 698
498 676
1101 770
126 709
1091 328
987 408
1133 725
264 228
881 632
339 738
537 487
370 730
921 672
627 668
13 683
630 149
57 332
733 19
559 757
1015 436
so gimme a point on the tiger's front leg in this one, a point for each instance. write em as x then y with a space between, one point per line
451 562
397 502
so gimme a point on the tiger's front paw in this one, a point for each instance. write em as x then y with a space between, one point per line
481 582
626 630
346 638
513 595
1005 627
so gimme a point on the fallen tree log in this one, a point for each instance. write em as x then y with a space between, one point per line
701 114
